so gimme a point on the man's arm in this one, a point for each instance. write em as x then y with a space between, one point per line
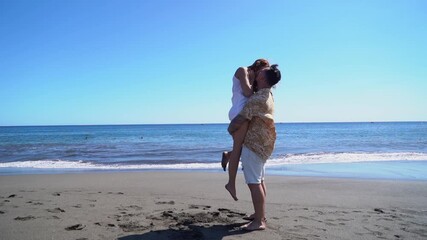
236 123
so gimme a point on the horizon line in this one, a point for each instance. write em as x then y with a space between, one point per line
136 124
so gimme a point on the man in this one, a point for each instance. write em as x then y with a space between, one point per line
259 141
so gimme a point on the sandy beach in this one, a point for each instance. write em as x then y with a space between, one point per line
178 205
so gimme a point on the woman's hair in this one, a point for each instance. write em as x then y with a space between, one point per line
273 75
259 64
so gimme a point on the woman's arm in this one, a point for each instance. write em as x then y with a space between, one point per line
243 77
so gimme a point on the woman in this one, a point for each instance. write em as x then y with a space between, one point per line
243 88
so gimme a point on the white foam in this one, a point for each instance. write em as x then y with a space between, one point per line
345 158
277 161
61 164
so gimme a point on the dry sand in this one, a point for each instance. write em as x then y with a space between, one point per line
168 205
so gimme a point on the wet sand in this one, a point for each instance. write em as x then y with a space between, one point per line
171 205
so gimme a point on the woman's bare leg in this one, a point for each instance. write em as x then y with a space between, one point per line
234 158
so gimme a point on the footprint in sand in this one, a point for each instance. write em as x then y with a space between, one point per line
26 218
35 203
135 207
55 210
378 210
343 219
169 203
194 206
300 227
75 227
118 193
103 224
231 213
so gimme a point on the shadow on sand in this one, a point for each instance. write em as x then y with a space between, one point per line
213 232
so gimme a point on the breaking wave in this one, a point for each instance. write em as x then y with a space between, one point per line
308 158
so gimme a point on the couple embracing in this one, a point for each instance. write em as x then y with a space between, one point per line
253 131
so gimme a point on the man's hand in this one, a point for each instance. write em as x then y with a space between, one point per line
236 123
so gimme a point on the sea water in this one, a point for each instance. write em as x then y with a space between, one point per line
389 150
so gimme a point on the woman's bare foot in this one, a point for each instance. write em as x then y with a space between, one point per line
232 191
254 226
224 160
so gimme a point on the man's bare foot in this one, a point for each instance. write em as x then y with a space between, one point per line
254 226
224 160
232 191
250 217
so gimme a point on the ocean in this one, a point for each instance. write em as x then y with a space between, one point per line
386 150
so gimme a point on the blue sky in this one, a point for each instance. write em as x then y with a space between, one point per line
137 62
